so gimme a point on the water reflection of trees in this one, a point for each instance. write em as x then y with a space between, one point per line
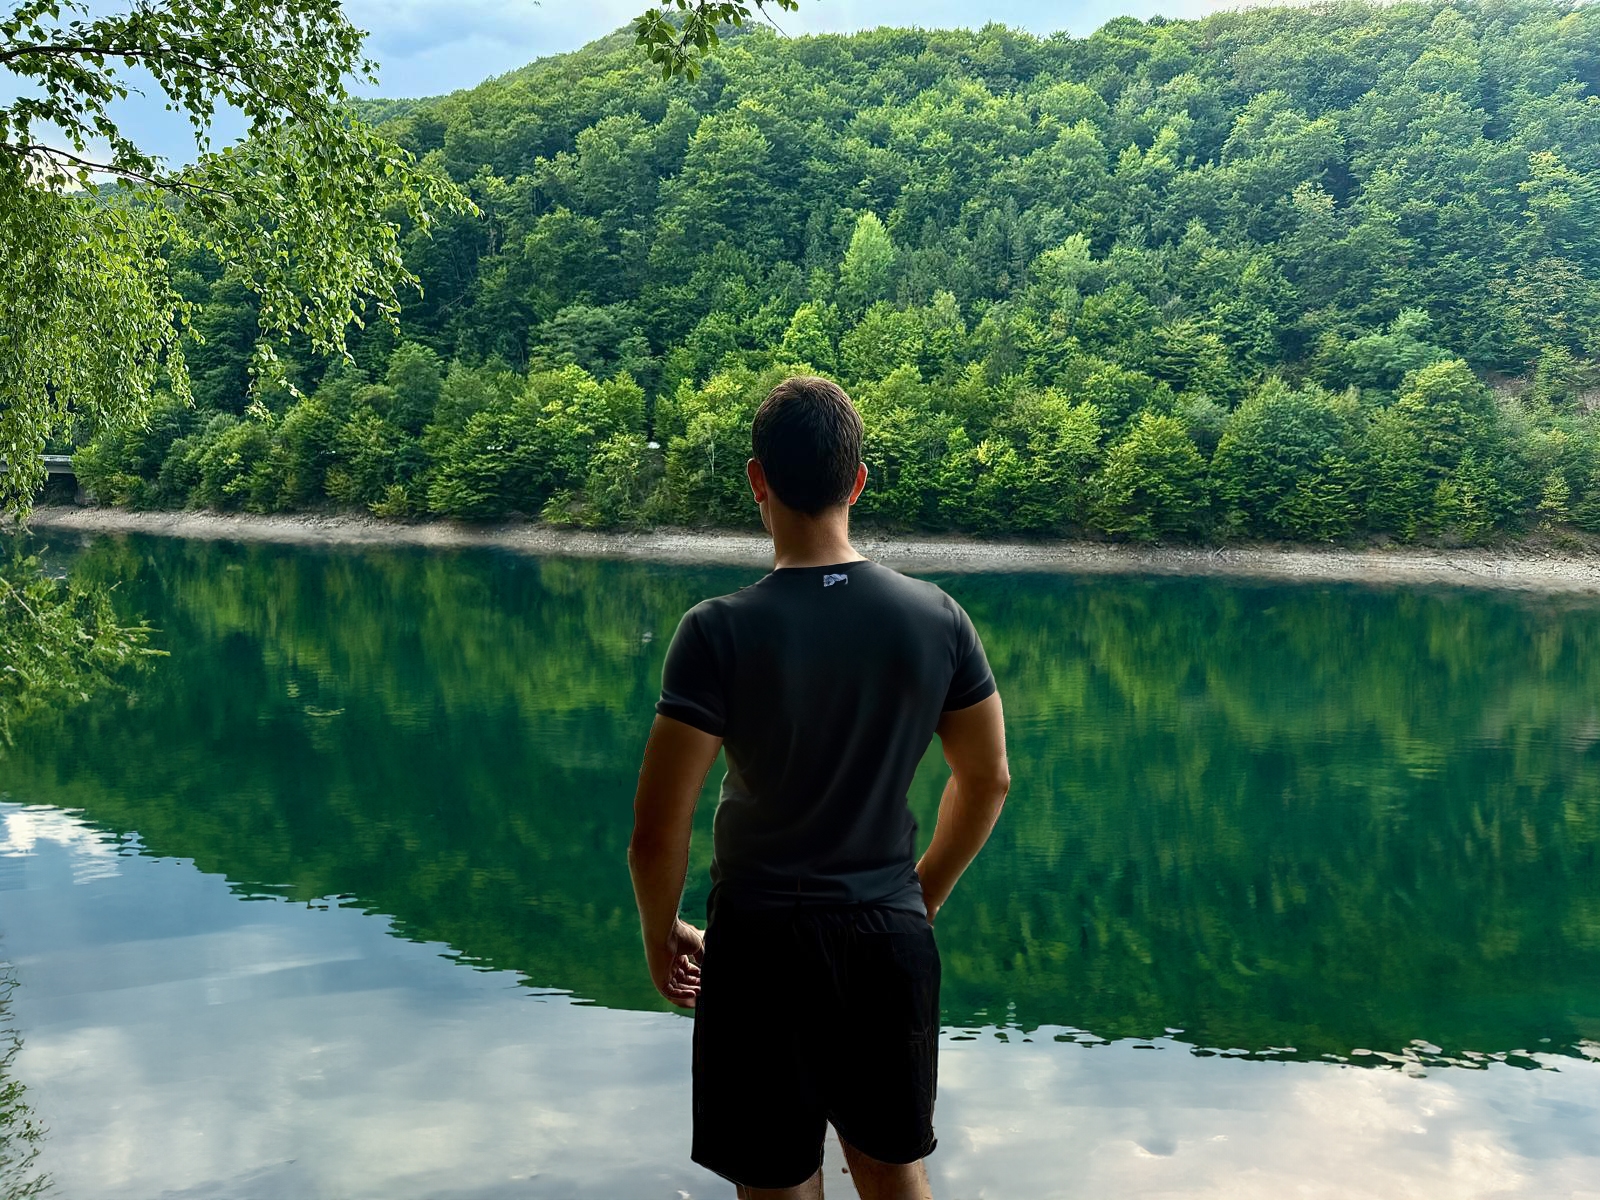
60 641
1320 817
1323 817
20 1132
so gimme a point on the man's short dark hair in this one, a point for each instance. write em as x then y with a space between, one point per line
807 438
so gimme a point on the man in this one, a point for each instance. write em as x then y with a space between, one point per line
816 985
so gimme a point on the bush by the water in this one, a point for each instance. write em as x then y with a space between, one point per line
1304 273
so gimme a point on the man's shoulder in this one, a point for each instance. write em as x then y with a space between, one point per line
729 601
714 610
917 593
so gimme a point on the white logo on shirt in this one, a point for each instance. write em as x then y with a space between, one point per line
830 580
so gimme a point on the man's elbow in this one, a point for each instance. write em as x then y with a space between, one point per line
643 847
989 786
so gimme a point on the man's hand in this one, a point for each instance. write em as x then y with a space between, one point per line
675 964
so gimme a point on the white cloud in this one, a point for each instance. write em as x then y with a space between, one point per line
93 854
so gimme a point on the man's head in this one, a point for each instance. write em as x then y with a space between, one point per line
807 443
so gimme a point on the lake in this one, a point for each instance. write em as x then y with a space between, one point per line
1296 893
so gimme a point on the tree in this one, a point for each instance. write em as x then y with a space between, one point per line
1286 467
1153 484
809 338
1058 444
123 464
307 212
1192 358
602 341
1117 392
706 454
1397 483
415 377
374 461
723 195
492 466
1469 481
1382 360
218 357
1558 377
884 338
1449 411
904 441
231 464
305 449
623 473
514 454
868 260
1586 514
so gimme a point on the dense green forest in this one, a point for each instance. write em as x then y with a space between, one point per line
1312 273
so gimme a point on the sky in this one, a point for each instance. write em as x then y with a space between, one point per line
429 47
426 47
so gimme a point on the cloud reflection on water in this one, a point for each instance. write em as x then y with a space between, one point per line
181 1041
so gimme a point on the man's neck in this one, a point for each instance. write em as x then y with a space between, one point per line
802 541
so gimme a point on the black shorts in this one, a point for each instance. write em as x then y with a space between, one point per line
810 1016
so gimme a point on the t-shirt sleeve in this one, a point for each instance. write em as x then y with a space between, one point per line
972 681
691 686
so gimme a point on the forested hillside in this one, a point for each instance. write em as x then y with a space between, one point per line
1302 272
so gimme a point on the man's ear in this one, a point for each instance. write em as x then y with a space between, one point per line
758 480
861 482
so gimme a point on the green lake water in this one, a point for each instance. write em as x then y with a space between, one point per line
1277 833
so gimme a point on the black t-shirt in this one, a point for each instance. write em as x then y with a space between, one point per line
825 684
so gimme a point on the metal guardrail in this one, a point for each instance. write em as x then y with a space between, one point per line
54 464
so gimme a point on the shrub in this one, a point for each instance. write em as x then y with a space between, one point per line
230 464
1287 466
374 455
305 449
903 446
492 467
1154 483
624 474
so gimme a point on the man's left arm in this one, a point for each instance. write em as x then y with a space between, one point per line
676 761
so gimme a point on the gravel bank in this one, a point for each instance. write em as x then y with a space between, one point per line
1524 566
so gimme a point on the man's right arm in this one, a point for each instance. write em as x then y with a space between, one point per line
974 741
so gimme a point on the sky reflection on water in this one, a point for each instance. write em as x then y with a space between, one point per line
181 1041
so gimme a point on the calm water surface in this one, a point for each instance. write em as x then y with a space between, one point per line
1297 892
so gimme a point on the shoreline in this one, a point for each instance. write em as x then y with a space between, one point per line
1524 569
